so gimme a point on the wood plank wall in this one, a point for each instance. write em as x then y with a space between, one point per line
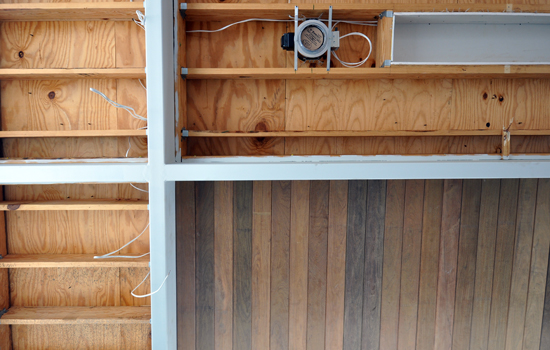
435 264
323 105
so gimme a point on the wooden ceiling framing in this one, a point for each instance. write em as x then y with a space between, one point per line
55 293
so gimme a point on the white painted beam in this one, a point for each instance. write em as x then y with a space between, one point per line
21 174
358 167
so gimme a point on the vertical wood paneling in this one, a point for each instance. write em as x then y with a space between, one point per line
355 264
485 261
433 197
280 258
205 265
466 268
185 260
545 333
223 264
448 255
242 269
410 264
299 227
539 259
261 258
374 256
336 267
504 252
317 263
522 263
5 336
391 282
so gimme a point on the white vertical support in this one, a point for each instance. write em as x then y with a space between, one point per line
295 38
329 37
160 112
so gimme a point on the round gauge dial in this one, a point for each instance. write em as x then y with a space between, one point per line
312 38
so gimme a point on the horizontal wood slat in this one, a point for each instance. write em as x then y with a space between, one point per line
76 315
72 133
363 133
71 73
393 72
75 205
70 11
236 12
14 261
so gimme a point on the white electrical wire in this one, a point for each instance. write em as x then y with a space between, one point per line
129 146
110 255
148 295
139 189
354 64
118 105
143 86
365 23
141 20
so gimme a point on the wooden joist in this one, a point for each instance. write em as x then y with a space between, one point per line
364 133
21 261
18 315
71 133
70 11
74 205
358 12
71 73
393 72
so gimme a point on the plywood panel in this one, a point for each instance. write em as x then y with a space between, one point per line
57 44
130 45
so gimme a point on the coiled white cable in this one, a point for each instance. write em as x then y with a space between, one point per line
149 294
141 20
118 105
110 255
354 64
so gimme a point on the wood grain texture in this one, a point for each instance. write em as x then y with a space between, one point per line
261 264
298 289
485 262
384 37
68 11
410 264
355 264
522 263
242 260
5 331
223 264
76 205
429 264
73 260
466 265
185 263
18 315
545 333
204 264
280 264
317 263
42 337
502 275
336 266
538 268
374 260
448 252
391 279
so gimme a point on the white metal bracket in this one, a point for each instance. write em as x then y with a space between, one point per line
387 13
295 38
329 37
184 72
183 9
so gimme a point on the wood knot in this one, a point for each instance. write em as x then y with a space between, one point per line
501 98
51 95
21 54
260 127
13 206
488 124
485 95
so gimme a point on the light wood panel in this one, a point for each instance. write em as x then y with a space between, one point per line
73 133
71 73
17 315
20 261
419 263
74 205
69 11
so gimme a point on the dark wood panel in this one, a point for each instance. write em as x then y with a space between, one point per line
280 259
204 261
242 273
317 263
185 262
545 333
374 255
355 264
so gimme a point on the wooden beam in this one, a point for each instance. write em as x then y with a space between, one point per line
71 133
71 73
349 133
70 11
393 72
21 261
359 12
384 37
75 205
19 315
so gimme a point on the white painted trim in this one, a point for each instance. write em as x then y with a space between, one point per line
21 174
358 167
160 111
